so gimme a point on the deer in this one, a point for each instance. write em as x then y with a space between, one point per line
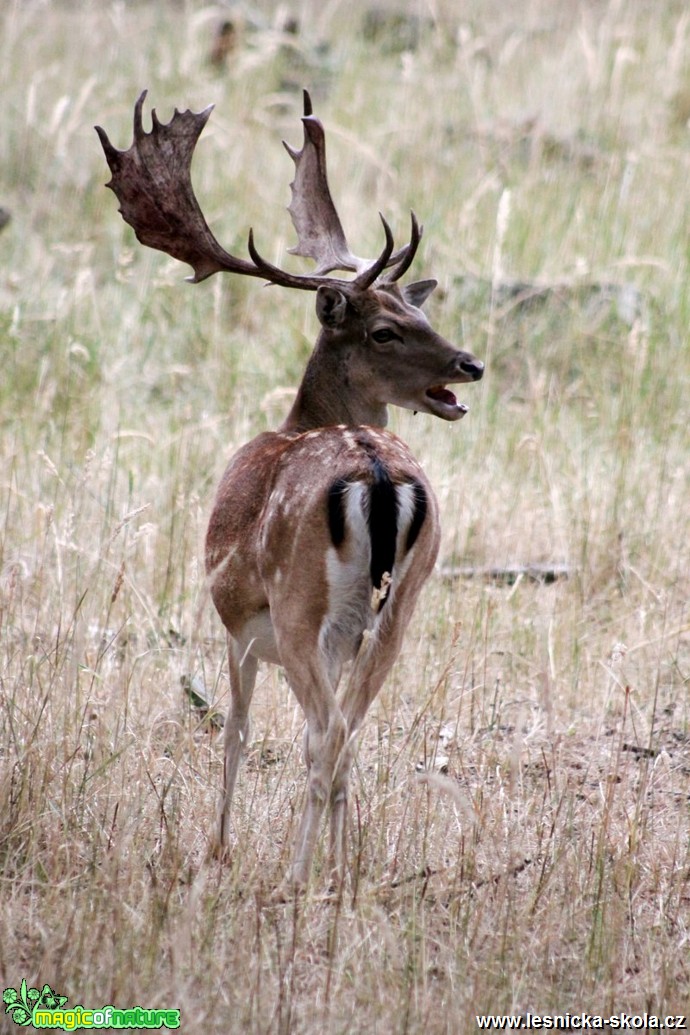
324 531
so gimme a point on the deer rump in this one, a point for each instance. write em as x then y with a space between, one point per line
393 514
374 523
373 513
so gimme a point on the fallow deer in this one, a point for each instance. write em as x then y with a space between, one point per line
324 531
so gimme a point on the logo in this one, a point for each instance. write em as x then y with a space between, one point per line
21 1004
44 1008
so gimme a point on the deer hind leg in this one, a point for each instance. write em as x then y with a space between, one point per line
242 678
325 749
340 784
314 685
361 690
340 795
367 676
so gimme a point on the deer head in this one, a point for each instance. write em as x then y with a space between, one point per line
374 338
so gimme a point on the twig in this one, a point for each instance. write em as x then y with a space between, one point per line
197 693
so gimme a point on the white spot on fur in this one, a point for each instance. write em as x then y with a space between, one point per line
351 442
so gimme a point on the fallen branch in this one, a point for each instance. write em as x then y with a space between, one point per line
509 574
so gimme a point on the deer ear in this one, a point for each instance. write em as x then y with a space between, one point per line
416 294
331 306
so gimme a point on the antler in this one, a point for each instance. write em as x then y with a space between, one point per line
408 253
314 216
152 182
319 231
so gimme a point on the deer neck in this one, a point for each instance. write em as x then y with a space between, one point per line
327 395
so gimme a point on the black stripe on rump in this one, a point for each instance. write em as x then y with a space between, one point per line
383 524
421 504
382 517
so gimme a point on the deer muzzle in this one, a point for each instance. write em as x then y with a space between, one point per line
468 368
440 400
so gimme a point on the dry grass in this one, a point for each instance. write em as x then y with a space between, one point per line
519 839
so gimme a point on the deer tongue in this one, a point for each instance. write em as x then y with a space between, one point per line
442 394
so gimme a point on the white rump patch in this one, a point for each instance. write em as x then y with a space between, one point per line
350 614
349 584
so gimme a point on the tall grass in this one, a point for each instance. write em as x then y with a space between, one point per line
519 835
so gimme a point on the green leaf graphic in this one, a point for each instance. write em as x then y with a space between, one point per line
20 1015
50 999
21 1005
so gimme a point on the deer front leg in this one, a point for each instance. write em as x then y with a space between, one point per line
242 678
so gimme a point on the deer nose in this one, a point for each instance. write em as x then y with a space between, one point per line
474 368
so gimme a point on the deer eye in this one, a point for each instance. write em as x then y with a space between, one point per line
384 335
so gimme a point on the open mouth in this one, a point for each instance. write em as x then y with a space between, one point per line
444 403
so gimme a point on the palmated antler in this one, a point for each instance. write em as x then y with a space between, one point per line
152 182
319 230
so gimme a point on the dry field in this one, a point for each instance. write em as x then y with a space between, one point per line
519 839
